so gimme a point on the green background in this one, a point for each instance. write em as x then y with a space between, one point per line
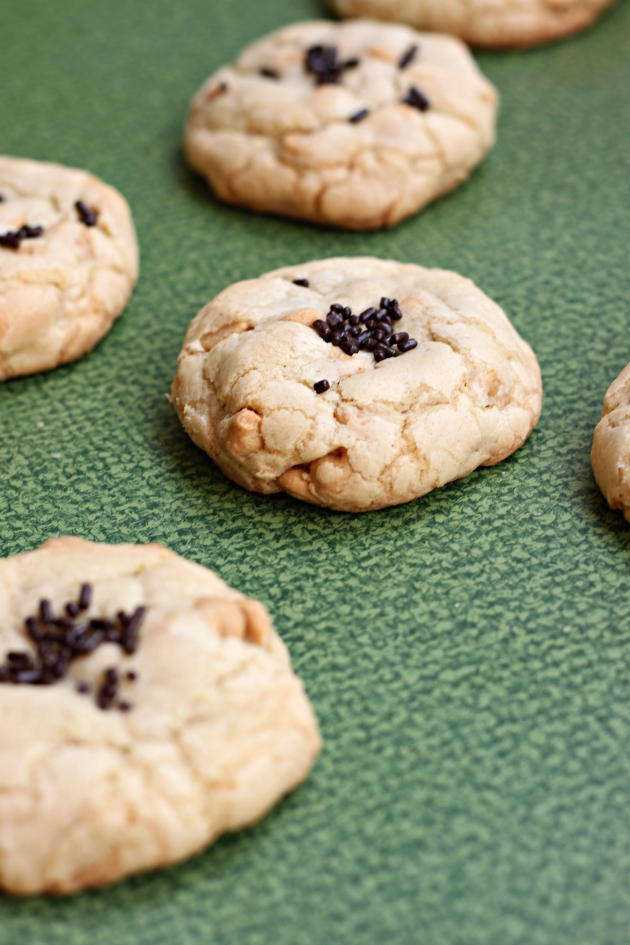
475 784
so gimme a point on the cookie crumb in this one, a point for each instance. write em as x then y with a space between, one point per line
416 99
321 386
40 424
55 455
408 57
566 629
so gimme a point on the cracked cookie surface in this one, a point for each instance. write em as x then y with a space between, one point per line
331 139
61 290
610 455
492 23
385 432
218 730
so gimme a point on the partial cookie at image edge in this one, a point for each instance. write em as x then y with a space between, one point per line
503 25
68 264
610 453
147 708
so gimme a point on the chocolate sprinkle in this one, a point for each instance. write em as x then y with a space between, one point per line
407 58
86 214
369 331
85 596
323 62
302 282
60 640
269 73
359 116
45 611
321 387
416 99
109 689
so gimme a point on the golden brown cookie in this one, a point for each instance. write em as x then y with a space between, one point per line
356 125
494 23
610 454
68 263
355 383
146 708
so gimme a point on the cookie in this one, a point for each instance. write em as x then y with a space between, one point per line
68 263
355 383
610 455
493 23
355 125
146 708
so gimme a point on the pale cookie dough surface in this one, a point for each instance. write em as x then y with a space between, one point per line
496 23
286 145
219 729
60 292
610 454
468 395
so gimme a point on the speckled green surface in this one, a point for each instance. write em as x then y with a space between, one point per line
475 787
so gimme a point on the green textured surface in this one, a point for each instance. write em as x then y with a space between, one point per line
474 789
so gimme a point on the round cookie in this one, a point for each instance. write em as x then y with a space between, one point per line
355 125
610 455
394 419
161 712
68 263
492 23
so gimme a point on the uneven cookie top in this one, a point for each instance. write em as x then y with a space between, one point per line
147 746
610 455
484 22
383 430
68 263
357 124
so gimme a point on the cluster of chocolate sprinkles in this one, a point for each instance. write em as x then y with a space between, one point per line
324 63
372 330
60 640
416 99
13 238
86 214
